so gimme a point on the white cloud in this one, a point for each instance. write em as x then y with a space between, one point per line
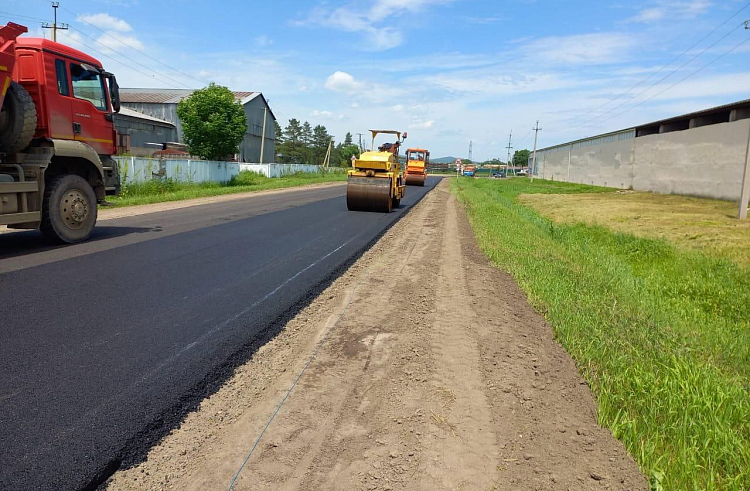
483 20
106 22
319 114
119 43
672 9
422 124
582 49
263 41
373 21
342 82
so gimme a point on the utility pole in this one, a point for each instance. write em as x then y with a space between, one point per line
507 162
533 159
745 193
471 157
263 137
54 25
327 159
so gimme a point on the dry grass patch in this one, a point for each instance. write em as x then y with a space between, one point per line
707 225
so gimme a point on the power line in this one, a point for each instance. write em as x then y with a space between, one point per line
79 18
55 26
681 80
26 17
163 78
663 67
658 81
134 61
156 75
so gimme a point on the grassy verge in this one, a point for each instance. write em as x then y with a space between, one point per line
662 334
707 225
246 181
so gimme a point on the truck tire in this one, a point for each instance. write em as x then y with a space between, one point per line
17 119
68 210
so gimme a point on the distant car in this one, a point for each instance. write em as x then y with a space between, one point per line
523 172
498 174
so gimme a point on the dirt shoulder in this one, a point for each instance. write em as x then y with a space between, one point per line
435 374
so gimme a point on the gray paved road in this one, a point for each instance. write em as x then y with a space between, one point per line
104 346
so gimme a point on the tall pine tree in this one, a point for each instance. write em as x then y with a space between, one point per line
320 142
292 149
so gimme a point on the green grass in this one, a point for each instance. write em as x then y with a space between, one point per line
158 191
661 334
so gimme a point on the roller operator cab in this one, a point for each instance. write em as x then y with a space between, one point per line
57 136
417 160
376 181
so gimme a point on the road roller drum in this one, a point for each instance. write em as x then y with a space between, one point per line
369 194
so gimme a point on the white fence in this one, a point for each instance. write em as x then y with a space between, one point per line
141 169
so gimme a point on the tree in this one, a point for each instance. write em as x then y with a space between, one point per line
344 154
278 134
521 158
320 141
213 123
307 141
348 139
292 148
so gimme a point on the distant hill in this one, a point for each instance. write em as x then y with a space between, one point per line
443 160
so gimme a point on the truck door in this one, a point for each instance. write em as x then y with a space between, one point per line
58 101
92 120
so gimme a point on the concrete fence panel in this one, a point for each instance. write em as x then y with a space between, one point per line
707 161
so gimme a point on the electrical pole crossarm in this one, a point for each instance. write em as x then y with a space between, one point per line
55 26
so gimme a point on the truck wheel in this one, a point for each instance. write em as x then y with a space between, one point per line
17 119
69 210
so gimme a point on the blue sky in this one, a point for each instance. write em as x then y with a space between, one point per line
447 71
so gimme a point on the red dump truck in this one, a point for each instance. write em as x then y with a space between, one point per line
57 136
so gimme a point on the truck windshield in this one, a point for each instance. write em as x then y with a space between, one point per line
88 85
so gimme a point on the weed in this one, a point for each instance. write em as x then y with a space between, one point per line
661 334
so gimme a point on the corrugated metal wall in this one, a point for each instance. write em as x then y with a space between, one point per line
250 146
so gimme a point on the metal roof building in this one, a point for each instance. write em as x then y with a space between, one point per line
162 105
139 134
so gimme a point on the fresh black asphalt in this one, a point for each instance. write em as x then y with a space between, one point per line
106 345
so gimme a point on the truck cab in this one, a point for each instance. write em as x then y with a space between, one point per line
57 136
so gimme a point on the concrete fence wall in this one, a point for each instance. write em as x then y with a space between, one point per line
141 169
706 161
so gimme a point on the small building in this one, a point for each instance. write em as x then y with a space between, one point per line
162 105
140 134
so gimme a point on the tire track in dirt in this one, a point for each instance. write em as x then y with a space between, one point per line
471 455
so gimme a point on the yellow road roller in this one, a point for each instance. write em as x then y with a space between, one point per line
417 160
375 182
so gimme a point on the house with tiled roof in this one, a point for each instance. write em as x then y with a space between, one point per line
162 105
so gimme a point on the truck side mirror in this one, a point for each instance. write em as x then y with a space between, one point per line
114 93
